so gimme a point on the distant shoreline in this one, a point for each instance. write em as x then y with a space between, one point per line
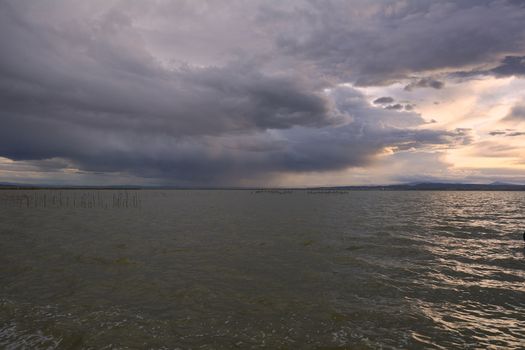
402 187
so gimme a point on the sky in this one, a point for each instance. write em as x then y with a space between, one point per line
262 93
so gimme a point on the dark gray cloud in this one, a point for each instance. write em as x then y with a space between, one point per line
497 133
508 133
387 103
383 100
508 66
511 65
222 93
425 83
228 158
515 133
378 44
68 75
395 107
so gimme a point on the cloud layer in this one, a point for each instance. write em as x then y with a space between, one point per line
210 93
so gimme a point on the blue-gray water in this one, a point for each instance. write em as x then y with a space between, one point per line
234 269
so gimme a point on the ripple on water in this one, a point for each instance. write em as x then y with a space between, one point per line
227 269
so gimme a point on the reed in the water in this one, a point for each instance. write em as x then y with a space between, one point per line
62 199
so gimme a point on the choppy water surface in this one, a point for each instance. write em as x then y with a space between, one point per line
234 269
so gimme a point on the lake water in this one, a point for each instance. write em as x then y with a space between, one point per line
234 269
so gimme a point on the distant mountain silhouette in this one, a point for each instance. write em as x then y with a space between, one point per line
439 186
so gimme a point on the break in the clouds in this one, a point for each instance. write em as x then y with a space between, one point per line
251 93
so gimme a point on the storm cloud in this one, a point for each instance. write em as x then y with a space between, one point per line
212 93
379 44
